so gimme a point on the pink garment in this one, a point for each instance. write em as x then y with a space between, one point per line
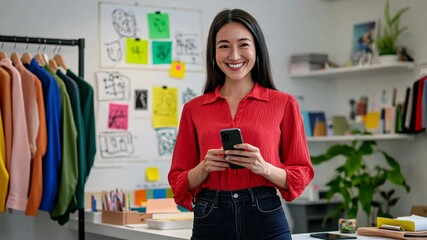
30 104
20 161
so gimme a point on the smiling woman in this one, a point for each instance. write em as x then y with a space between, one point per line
239 202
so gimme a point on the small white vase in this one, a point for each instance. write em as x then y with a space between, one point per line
388 59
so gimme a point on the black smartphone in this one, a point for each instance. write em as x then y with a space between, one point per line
230 137
331 236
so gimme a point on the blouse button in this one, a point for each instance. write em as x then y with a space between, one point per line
235 195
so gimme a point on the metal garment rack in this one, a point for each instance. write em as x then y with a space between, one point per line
65 42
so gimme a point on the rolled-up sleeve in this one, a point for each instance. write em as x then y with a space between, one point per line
294 152
185 157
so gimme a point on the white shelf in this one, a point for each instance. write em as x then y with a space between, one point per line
361 137
359 71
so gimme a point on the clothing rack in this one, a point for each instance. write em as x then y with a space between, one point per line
66 42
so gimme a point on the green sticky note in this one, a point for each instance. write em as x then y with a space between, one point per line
150 193
162 52
158 25
136 51
169 193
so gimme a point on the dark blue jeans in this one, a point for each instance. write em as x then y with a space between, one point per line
254 213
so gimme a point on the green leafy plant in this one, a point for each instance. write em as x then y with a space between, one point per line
386 42
387 202
355 181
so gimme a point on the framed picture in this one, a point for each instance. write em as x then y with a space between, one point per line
363 42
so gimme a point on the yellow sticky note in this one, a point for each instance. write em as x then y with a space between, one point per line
152 174
136 51
177 69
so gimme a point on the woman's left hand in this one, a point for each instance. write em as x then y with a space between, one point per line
249 157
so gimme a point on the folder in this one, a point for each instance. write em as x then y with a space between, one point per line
410 223
378 232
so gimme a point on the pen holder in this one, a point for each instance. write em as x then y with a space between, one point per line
347 225
124 218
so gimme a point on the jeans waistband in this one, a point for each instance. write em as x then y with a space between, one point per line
249 194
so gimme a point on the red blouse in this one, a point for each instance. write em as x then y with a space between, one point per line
268 119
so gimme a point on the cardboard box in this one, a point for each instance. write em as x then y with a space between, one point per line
419 210
124 218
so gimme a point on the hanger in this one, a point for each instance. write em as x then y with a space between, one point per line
39 59
53 66
15 58
26 57
2 54
59 59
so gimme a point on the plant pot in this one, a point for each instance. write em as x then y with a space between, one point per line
388 59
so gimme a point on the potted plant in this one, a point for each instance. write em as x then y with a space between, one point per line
356 182
386 42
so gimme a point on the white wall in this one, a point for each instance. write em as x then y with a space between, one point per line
290 26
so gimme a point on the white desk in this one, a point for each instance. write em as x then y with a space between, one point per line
143 232
139 233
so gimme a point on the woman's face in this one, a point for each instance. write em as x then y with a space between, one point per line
235 51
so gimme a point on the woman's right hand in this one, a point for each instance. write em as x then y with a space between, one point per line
214 161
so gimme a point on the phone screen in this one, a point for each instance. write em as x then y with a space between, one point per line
230 137
331 236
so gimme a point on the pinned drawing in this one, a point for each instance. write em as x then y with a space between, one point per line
166 138
124 22
116 144
162 52
165 107
187 48
187 95
136 51
118 116
141 99
113 86
114 50
158 25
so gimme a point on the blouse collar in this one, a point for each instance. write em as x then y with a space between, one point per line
257 92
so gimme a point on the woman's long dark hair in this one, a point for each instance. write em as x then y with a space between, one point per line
261 72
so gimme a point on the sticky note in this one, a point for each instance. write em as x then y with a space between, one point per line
162 52
159 193
152 174
169 193
177 70
150 194
140 196
136 51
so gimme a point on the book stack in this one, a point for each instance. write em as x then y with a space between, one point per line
306 62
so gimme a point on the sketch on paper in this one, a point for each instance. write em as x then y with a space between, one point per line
124 22
166 138
114 51
113 86
187 95
165 107
141 99
118 116
116 144
187 48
